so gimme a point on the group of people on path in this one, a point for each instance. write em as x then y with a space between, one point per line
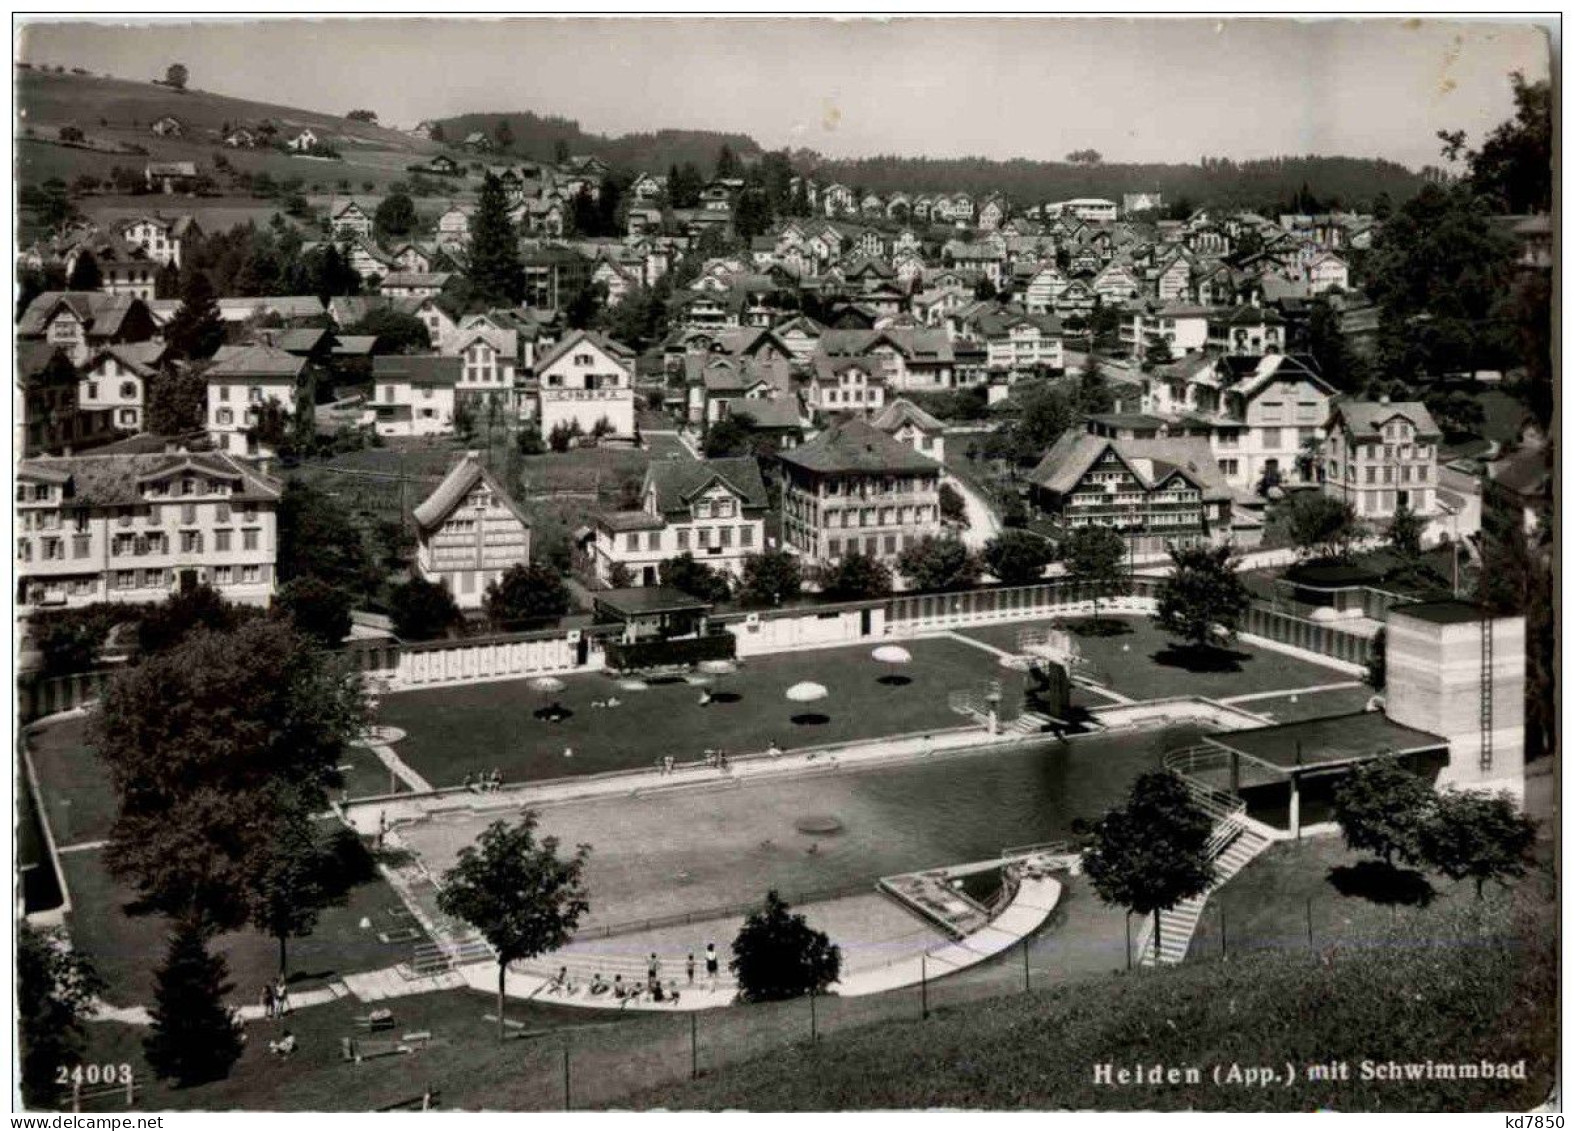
653 988
484 783
275 999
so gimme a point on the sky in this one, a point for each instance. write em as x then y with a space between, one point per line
1134 89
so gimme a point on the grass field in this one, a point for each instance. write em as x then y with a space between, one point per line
1142 663
1452 982
452 731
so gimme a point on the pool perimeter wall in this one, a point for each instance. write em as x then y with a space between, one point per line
400 667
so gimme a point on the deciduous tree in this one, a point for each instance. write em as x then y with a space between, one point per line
778 956
1476 837
695 578
1095 558
319 611
422 610
770 577
1151 853
856 577
522 897
1017 557
526 594
939 563
55 991
1381 806
1322 527
1203 599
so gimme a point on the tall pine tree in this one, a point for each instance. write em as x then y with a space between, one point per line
85 275
193 1039
495 271
197 329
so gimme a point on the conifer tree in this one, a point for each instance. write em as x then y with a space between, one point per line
193 1039
197 329
495 270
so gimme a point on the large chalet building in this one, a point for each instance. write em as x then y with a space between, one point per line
469 532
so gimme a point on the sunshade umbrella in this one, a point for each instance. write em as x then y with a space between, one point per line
548 684
892 654
717 667
807 692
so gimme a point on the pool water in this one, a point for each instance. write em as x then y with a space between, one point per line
690 850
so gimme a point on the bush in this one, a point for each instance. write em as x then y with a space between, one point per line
319 611
778 956
526 595
422 610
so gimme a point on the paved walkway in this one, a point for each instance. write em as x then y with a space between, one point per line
379 746
1258 696
982 522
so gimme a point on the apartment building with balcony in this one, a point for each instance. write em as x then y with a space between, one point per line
135 528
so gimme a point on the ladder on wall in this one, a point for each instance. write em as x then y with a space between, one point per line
1486 692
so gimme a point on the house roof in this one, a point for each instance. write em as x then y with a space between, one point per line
255 360
854 445
1365 419
613 349
677 482
354 345
461 479
903 411
102 314
620 522
141 358
418 368
285 306
768 412
648 600
437 279
1151 460
114 480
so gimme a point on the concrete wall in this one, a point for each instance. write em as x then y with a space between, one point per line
760 634
1435 683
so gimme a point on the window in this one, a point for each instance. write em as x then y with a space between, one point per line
188 511
653 540
1270 439
683 540
631 542
223 575
226 416
1371 475
254 395
190 542
81 546
746 536
251 574
92 390
248 539
726 536
128 389
223 512
125 579
221 541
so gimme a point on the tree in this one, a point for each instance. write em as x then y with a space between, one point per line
1203 599
770 577
85 275
726 162
984 289
523 898
729 436
1093 391
495 271
55 990
318 538
1514 165
193 1038
395 217
1157 354
1471 836
953 508
1084 157
176 75
695 578
778 956
1380 807
166 624
503 134
166 283
362 116
1095 558
72 134
526 594
204 745
1016 557
1376 675
1322 527
856 577
319 611
1404 534
422 610
395 331
196 330
1151 853
933 563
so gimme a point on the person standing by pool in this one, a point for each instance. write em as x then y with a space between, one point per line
691 967
712 964
653 970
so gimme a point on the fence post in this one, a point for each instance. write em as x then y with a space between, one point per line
694 1044
567 1095
1224 930
814 1020
923 984
1309 944
1027 976
1128 941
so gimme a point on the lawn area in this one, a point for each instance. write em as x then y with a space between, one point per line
316 1078
76 800
1140 662
452 731
1311 704
1451 983
127 948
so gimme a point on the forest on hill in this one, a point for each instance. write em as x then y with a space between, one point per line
543 138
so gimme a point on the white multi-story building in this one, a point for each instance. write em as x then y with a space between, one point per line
714 509
469 532
241 380
1381 455
113 387
413 394
586 378
136 528
161 237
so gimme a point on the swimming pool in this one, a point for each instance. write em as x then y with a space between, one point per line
684 851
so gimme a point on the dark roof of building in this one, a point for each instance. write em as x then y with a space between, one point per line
114 480
768 412
647 600
1443 612
1327 743
1366 418
256 360
854 445
418 368
620 522
103 314
903 411
678 481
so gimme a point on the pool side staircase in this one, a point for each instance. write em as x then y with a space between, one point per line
1235 842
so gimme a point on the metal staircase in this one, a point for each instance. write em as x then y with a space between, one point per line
1486 691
